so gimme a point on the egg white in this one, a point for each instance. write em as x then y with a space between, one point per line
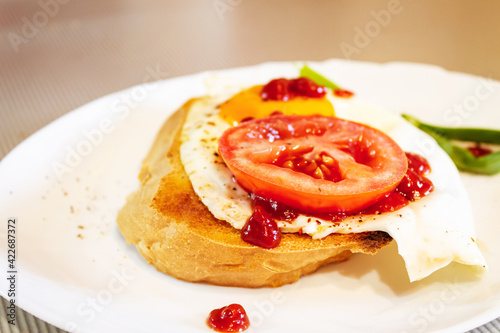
430 233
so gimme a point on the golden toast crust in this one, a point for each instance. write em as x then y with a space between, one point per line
177 234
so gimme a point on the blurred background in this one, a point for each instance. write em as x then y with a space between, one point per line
56 55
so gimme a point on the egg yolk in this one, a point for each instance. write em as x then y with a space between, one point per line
249 104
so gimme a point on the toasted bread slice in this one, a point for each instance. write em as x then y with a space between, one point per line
176 233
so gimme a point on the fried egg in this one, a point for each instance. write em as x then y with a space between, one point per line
430 232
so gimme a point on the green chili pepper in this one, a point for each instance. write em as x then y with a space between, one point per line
462 157
306 71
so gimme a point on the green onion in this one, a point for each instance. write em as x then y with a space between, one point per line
319 79
462 157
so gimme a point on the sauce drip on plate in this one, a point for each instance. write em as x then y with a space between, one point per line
231 318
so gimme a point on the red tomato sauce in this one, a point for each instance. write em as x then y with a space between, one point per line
262 230
413 186
343 93
285 89
231 318
477 150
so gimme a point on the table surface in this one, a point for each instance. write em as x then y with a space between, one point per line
56 55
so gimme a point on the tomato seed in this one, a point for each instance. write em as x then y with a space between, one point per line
327 160
318 174
325 170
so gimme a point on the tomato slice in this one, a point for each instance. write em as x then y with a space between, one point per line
313 163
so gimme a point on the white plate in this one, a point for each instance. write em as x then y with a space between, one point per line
65 184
